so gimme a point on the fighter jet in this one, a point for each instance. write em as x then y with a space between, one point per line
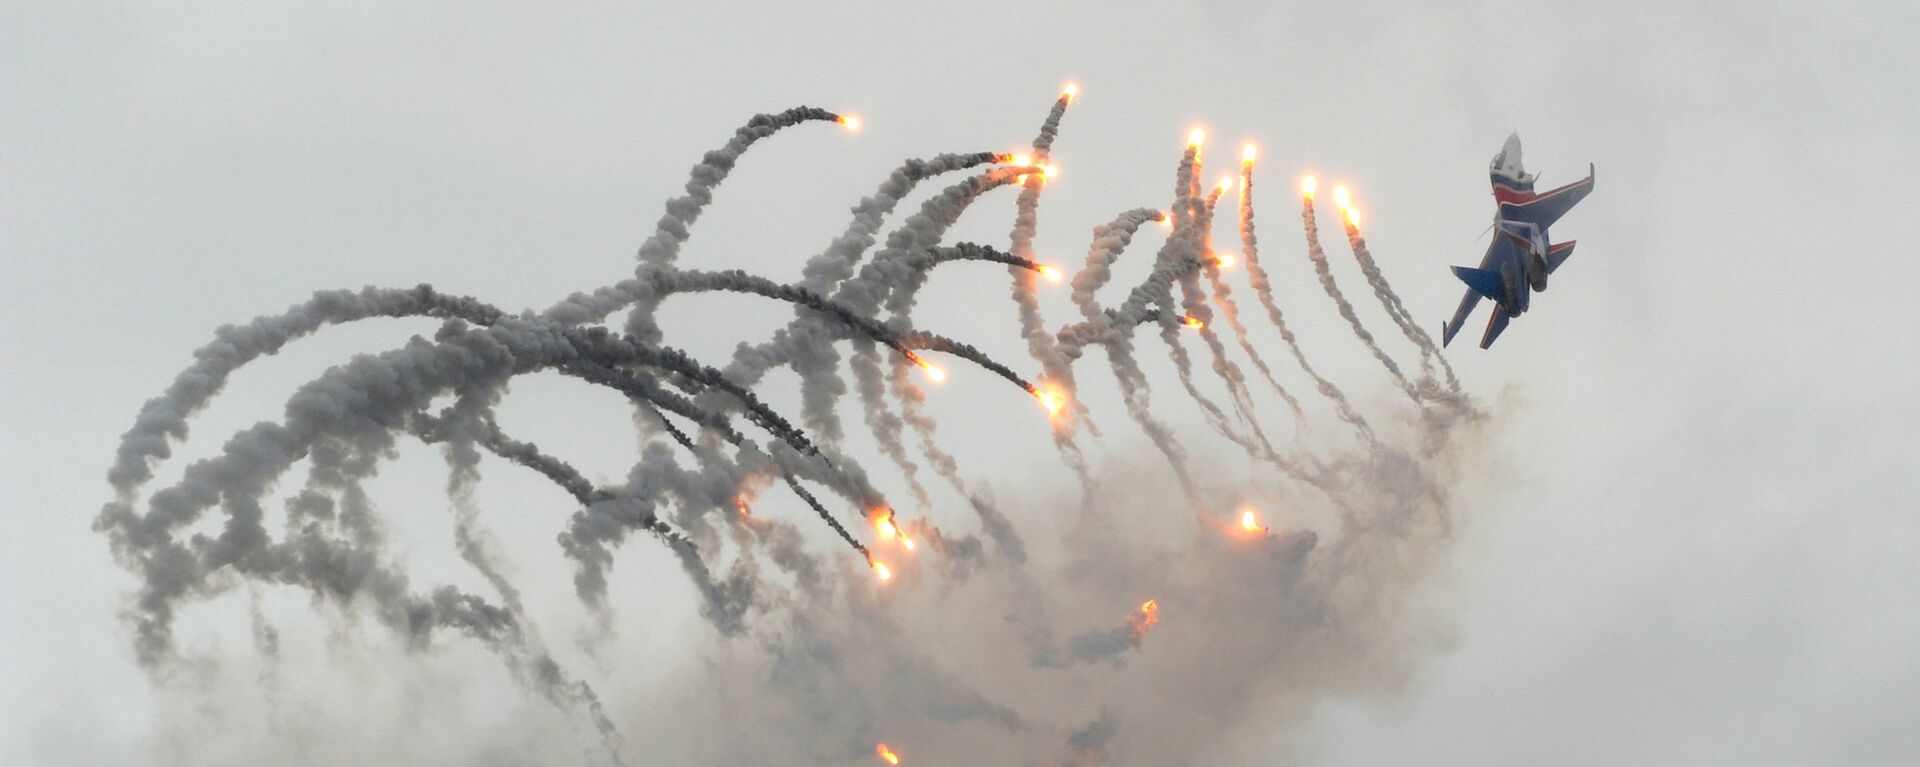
1520 257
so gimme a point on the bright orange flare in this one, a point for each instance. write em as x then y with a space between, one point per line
1049 171
1072 90
880 570
1353 216
1223 260
887 529
1051 272
1052 399
1023 160
1166 221
850 121
1249 521
1226 184
881 749
1196 138
1192 321
740 504
1246 154
1307 185
1342 197
932 371
1142 621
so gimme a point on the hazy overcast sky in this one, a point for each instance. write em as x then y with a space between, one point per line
1702 545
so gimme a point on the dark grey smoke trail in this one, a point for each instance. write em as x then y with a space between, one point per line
882 280
833 266
1322 268
163 419
1108 242
891 279
1113 329
805 342
816 362
912 405
1263 289
1025 226
660 251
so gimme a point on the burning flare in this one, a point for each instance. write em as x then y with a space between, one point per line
1025 161
1072 90
1307 186
1250 522
1196 138
1142 621
1051 398
886 754
1247 154
887 529
1344 199
932 371
851 122
1223 260
880 571
1192 321
1051 272
1226 184
740 505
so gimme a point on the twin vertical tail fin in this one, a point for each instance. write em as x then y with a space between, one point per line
1494 326
1558 255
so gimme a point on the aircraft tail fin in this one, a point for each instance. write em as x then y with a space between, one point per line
1558 255
1483 281
1494 326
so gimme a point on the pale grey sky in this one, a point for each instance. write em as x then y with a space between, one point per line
1691 543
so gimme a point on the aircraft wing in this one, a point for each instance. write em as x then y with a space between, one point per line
1543 209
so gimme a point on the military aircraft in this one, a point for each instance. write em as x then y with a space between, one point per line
1520 257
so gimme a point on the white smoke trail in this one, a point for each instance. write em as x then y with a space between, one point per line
1323 269
1263 289
1429 352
